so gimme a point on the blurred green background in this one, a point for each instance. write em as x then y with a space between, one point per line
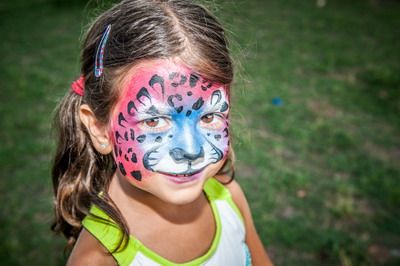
316 124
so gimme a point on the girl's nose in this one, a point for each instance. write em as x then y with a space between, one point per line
180 155
188 144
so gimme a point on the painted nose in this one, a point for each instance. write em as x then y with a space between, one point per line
180 155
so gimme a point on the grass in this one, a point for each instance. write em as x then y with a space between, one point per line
320 170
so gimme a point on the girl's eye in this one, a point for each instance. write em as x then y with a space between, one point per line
152 122
207 118
212 121
155 124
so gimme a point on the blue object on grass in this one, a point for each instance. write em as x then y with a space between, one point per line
277 101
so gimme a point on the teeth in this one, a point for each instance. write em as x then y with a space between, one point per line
182 175
185 175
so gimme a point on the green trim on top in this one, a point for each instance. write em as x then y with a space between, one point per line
108 233
220 192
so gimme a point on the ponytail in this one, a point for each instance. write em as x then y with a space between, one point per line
79 173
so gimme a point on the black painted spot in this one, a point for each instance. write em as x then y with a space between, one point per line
169 100
183 80
133 158
226 131
209 84
119 152
216 96
137 175
126 157
121 119
121 168
170 136
131 105
198 104
206 85
217 137
132 136
175 83
188 113
179 109
158 139
172 75
189 93
129 150
224 107
126 136
115 150
153 111
208 134
156 79
193 80
117 137
143 93
141 138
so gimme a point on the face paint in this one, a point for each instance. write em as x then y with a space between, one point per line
170 121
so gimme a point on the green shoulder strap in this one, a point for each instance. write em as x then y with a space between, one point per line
108 233
217 191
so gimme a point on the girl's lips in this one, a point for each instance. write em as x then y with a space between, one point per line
182 178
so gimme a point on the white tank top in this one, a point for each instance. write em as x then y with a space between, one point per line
227 249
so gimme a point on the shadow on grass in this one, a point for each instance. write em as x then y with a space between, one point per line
381 86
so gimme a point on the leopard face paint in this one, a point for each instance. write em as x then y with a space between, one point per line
170 121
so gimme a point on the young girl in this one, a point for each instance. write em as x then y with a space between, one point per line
143 173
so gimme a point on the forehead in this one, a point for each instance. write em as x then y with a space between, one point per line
161 78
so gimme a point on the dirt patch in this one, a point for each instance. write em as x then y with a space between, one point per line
245 171
349 75
390 155
379 253
323 108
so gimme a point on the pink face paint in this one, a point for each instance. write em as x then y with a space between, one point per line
171 121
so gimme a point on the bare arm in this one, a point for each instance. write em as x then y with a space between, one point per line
258 253
88 251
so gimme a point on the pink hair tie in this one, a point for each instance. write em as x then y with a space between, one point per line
78 86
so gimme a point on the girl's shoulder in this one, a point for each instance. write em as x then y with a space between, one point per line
89 251
258 254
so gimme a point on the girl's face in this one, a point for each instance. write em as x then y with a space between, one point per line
170 129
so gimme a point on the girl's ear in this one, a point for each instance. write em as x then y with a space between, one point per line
97 131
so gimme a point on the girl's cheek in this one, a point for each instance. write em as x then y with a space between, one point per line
128 140
220 138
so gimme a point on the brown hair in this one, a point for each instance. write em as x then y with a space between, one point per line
141 29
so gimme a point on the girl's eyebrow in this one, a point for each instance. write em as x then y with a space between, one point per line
154 111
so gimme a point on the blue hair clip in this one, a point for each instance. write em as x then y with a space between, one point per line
98 65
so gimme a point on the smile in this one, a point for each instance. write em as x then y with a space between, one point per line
183 177
187 173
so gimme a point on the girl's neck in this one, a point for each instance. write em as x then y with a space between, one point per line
130 198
